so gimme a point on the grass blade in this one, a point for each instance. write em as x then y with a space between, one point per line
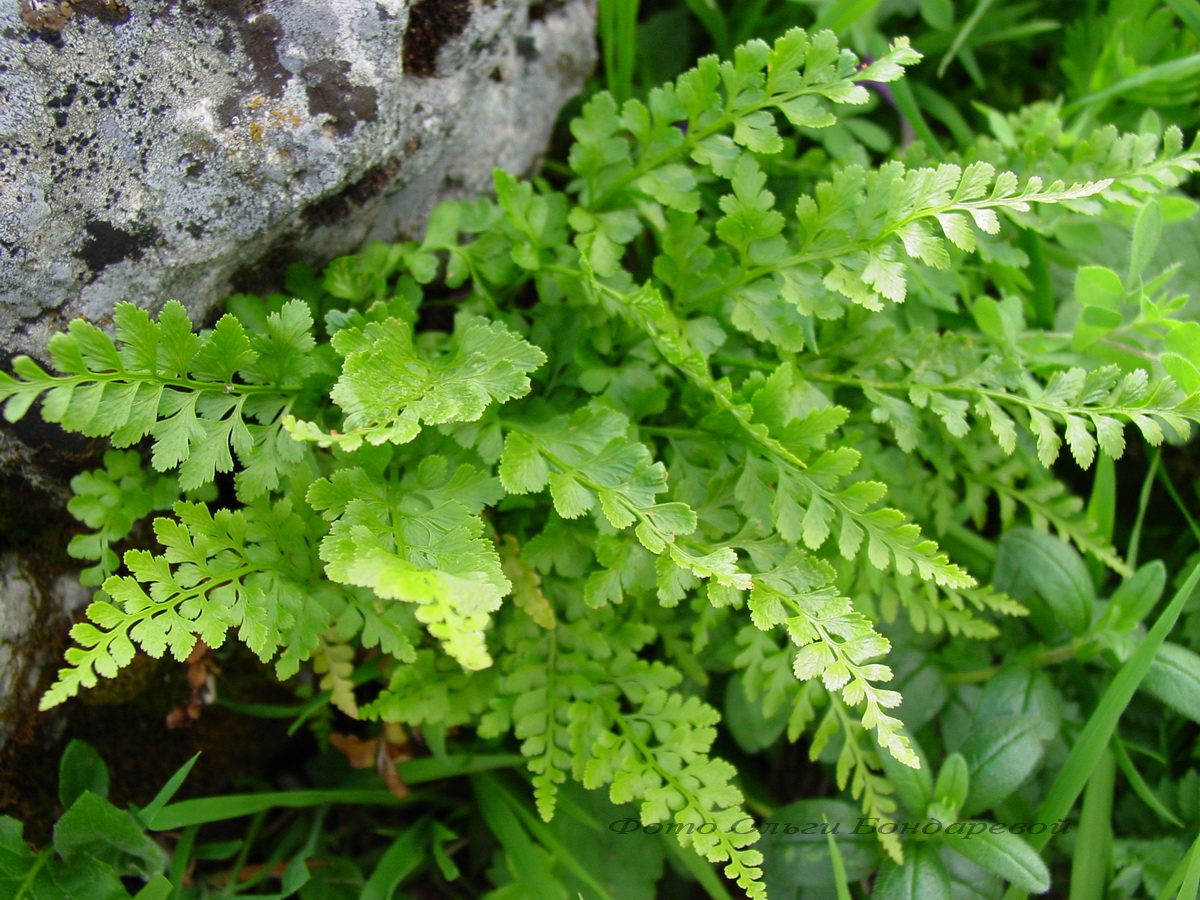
839 866
1100 727
181 855
215 809
157 888
713 20
1135 536
839 16
1093 843
963 33
163 797
527 864
1177 884
1191 877
906 103
545 836
398 862
1138 783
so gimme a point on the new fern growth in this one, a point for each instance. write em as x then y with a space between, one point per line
670 403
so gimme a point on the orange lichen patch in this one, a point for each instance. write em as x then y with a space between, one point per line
285 117
256 132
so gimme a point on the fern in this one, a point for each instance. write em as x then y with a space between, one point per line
387 390
677 427
417 541
219 571
112 500
202 399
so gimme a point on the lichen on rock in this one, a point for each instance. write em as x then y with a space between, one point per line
153 150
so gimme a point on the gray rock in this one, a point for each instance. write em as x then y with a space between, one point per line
157 150
33 606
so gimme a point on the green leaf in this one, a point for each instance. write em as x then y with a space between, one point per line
1136 596
1000 755
1016 690
923 876
1147 231
752 730
1005 854
81 770
1174 678
953 783
1031 564
1099 287
938 13
25 875
94 829
388 389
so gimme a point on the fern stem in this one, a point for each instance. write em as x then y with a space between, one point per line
1135 537
991 393
189 384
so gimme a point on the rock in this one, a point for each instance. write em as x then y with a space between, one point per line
34 619
169 148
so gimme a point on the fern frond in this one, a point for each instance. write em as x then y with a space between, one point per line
111 501
546 676
218 572
432 688
587 460
806 484
1138 164
387 389
932 608
1087 408
723 106
835 642
1050 507
418 542
857 769
196 395
657 755
333 660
